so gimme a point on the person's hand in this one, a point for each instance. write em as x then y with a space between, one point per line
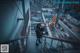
43 32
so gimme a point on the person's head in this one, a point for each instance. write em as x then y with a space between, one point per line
42 24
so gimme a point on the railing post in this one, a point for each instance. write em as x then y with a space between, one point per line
44 45
51 43
62 47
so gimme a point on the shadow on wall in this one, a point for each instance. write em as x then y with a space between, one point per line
8 19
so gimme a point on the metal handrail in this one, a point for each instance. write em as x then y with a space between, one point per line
63 25
54 38
63 40
11 41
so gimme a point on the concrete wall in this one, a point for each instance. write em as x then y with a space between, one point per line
8 18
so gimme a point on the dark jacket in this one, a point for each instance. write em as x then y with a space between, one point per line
39 30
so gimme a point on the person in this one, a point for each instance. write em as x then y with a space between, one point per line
39 32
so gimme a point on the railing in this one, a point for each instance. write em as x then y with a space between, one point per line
46 37
61 39
11 41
